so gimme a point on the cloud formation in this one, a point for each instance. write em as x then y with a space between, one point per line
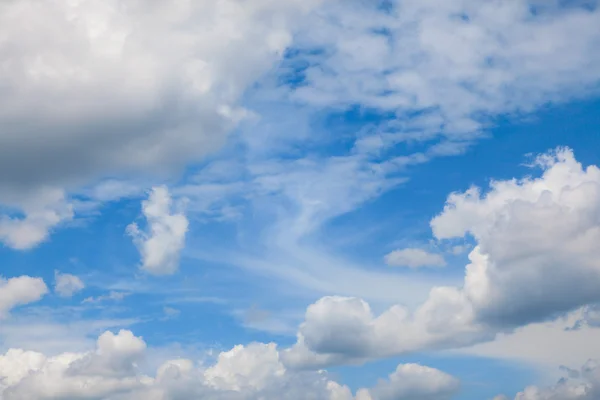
121 89
66 285
127 85
581 384
19 291
536 258
164 238
42 210
112 372
414 258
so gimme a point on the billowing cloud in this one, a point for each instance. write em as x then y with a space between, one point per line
119 89
164 238
536 253
252 372
127 85
536 257
19 291
66 285
414 258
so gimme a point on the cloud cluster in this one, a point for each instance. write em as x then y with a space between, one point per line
536 258
369 90
441 70
164 237
112 372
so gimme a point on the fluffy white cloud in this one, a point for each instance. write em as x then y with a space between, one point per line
66 285
536 253
536 257
128 84
120 89
19 291
345 330
413 381
253 372
414 258
164 238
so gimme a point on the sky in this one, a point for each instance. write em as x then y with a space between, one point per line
299 200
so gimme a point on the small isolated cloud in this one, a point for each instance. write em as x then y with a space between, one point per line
460 249
66 285
114 296
19 291
164 237
171 312
414 258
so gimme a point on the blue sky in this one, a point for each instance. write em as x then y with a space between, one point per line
315 199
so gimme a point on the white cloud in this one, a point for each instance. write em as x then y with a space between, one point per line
112 372
531 233
112 295
19 291
121 91
436 75
414 258
341 330
536 258
66 285
164 238
413 381
42 210
130 85
459 249
457 64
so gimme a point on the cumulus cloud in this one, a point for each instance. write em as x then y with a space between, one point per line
130 90
112 372
413 381
414 258
164 238
131 84
531 233
504 57
19 291
536 258
341 330
66 285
